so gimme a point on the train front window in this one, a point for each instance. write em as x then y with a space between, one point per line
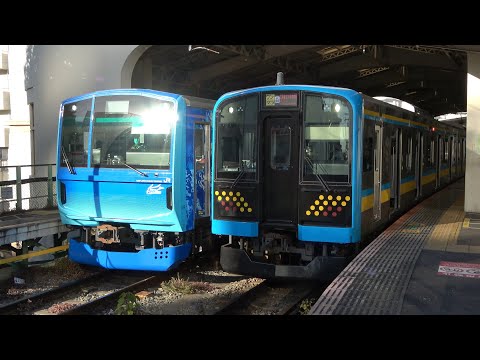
75 128
236 146
326 143
133 130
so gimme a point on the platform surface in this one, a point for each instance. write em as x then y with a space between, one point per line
427 262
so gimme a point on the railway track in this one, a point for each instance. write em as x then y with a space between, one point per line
108 301
273 298
70 294
93 294
18 306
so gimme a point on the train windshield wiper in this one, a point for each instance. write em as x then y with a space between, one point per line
134 169
67 162
239 176
318 176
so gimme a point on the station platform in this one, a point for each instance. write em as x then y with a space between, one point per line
29 224
426 263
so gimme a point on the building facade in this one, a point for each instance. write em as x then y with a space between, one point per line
14 109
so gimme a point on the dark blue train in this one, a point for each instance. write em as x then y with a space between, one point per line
302 174
133 177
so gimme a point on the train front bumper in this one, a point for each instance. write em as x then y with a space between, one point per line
148 259
321 268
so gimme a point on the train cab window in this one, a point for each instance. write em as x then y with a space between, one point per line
75 131
133 130
326 142
236 145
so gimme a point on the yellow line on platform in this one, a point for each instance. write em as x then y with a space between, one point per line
33 254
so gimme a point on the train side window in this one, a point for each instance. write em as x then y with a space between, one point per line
445 154
368 154
432 152
410 154
377 151
427 153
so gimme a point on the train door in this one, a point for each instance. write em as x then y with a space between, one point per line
202 169
438 160
395 152
280 167
419 164
377 174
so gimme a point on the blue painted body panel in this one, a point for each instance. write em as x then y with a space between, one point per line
121 195
326 234
148 259
237 228
96 195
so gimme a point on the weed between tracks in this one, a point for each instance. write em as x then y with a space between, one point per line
184 286
305 306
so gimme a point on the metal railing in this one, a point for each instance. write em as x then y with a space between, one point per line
27 187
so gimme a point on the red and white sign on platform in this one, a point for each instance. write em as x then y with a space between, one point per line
459 269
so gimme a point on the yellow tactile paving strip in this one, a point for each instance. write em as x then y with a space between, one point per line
445 234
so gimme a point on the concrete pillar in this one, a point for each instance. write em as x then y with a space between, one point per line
472 173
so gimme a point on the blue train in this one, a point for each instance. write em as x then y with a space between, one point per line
132 181
301 175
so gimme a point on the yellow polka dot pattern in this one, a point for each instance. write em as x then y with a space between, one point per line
321 205
240 202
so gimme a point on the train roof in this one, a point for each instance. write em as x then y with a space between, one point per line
331 89
190 100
